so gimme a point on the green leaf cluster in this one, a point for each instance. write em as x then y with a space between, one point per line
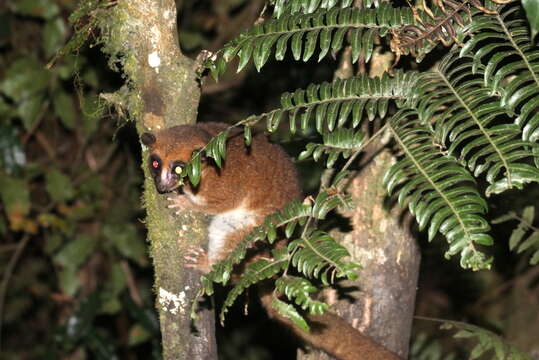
302 32
314 254
487 341
468 120
525 237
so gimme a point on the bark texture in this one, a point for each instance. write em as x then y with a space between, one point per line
381 302
161 91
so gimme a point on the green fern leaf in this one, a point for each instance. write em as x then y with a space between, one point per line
294 213
525 236
487 341
300 290
254 273
291 313
333 105
466 118
327 26
439 191
339 142
290 7
319 256
509 64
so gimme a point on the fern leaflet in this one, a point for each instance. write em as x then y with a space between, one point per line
303 32
467 118
438 191
300 290
291 7
319 256
518 240
511 65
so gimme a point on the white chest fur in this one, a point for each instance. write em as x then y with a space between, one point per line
224 224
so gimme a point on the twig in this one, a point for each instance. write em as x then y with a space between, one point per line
131 286
7 276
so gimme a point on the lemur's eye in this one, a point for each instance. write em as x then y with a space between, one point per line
178 169
155 162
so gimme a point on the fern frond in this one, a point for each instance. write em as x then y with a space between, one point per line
511 65
425 347
294 214
438 191
299 290
215 148
320 256
487 341
339 142
316 256
290 312
469 120
303 32
525 236
333 105
255 272
292 7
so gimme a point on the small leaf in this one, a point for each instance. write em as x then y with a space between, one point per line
291 313
532 12
247 135
125 238
59 186
54 33
64 109
75 252
15 196
23 78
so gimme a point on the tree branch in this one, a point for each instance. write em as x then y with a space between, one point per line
161 91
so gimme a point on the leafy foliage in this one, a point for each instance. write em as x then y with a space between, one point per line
314 254
466 122
424 347
468 117
69 249
288 7
525 236
325 27
471 119
440 191
487 341
339 142
509 65
487 344
300 290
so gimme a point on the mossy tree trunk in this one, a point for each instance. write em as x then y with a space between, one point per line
161 91
381 302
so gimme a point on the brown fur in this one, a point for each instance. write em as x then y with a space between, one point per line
257 180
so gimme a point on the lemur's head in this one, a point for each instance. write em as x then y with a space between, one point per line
170 150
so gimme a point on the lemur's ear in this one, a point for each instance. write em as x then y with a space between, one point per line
147 139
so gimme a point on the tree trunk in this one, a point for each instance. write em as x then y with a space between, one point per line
384 295
161 91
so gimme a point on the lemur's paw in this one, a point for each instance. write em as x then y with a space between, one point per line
197 258
179 202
